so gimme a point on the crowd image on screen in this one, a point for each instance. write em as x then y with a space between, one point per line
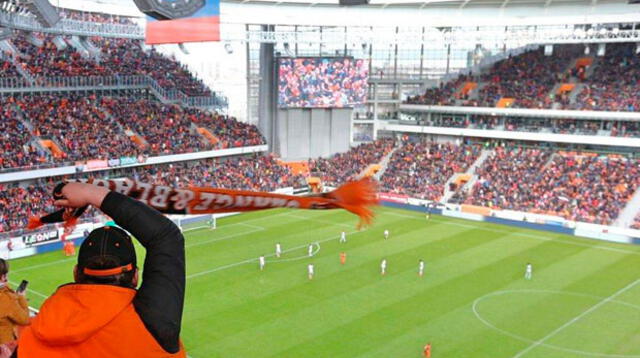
322 82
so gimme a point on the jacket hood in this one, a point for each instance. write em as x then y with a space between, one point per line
77 311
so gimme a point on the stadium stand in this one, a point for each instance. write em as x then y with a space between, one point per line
626 129
615 81
91 128
17 204
7 69
442 95
95 17
346 166
127 57
527 78
421 169
77 125
577 186
50 61
16 143
164 127
118 57
530 77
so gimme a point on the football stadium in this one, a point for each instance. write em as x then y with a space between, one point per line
319 178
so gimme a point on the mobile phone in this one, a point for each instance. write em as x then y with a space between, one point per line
22 287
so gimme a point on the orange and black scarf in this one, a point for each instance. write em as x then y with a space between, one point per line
356 197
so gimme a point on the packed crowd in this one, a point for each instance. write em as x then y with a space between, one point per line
256 172
171 129
420 169
528 78
505 179
78 125
49 61
561 126
228 131
347 166
127 57
16 143
529 124
7 69
119 57
443 95
164 127
615 82
95 17
626 129
86 127
18 204
577 187
473 121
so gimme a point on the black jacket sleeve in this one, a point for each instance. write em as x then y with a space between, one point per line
160 300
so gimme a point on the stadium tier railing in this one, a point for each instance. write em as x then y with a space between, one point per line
60 169
523 112
72 27
74 83
399 126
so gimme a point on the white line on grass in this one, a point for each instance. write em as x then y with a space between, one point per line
313 253
32 291
523 234
43 265
270 255
527 340
575 319
220 268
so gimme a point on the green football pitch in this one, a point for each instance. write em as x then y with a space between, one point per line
473 301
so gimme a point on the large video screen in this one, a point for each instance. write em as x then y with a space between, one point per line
322 82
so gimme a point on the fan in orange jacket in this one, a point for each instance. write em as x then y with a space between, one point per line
101 314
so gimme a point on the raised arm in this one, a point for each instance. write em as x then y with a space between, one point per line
160 299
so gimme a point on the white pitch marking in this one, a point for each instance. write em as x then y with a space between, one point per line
317 243
43 265
577 318
524 339
32 291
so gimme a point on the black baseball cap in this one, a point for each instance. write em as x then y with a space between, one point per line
109 242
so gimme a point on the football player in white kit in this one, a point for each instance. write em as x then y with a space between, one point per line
278 250
421 268
528 272
310 250
310 271
383 266
262 262
386 234
343 237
